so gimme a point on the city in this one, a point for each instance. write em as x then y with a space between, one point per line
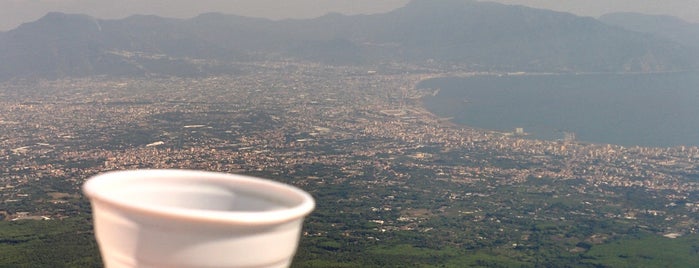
359 140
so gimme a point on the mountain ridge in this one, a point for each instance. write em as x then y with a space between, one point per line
663 26
477 35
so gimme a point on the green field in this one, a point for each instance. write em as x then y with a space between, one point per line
70 243
647 251
48 243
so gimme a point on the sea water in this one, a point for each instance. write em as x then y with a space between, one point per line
659 110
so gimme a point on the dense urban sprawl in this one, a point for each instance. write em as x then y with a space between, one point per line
321 127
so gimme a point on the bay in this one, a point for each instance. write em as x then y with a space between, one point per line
657 110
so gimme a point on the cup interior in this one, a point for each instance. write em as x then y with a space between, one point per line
198 193
200 196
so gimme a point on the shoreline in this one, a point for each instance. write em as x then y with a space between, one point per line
448 120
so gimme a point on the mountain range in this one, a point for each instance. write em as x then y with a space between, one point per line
662 26
472 34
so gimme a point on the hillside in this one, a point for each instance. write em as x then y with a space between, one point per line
668 27
478 35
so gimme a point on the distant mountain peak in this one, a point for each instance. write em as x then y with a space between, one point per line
663 26
645 18
468 33
58 22
59 17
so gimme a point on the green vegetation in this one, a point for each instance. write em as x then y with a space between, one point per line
423 227
70 243
426 222
48 243
646 251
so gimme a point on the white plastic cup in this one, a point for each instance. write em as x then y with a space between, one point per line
186 218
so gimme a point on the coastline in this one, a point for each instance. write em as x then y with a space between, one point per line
557 133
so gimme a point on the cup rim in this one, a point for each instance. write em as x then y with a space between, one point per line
95 185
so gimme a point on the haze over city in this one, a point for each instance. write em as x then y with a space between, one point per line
15 12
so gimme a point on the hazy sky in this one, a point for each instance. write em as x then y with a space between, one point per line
15 12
